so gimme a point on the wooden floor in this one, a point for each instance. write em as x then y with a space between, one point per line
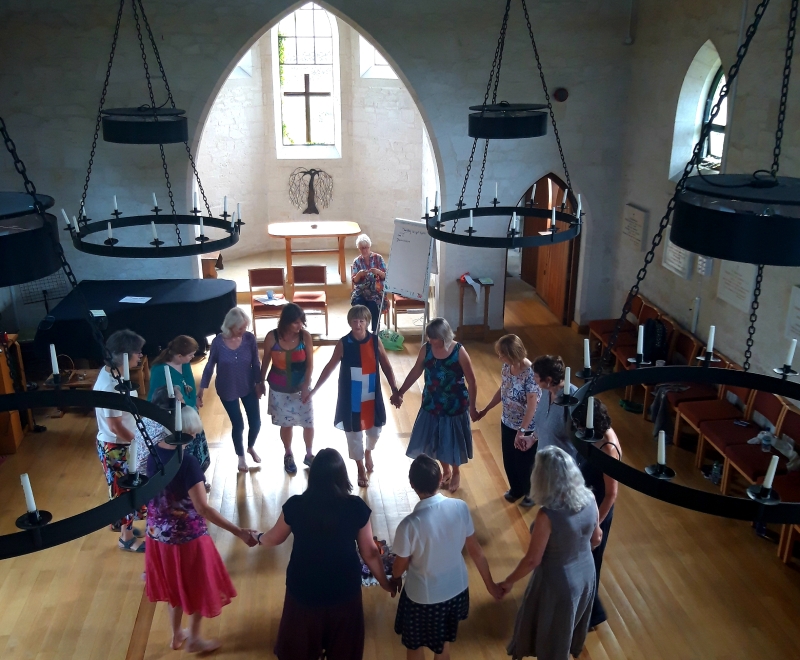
676 584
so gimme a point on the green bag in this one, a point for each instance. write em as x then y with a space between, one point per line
391 340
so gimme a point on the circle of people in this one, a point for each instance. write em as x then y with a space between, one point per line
322 610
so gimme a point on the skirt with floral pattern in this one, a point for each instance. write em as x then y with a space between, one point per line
289 410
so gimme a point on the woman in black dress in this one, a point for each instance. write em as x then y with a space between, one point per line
604 489
322 609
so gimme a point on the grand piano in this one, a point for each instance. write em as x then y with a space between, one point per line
176 307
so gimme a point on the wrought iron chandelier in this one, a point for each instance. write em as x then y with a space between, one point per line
154 125
503 120
764 503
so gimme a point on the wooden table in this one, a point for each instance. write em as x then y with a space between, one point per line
473 331
318 229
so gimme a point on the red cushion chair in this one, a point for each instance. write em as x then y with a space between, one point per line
750 462
695 413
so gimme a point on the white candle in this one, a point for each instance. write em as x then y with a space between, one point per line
30 503
566 198
233 220
153 227
436 200
115 203
238 210
426 207
553 219
126 367
711 332
662 448
790 356
155 201
201 225
695 314
640 341
470 218
75 222
590 414
567 388
533 194
587 361
110 235
133 459
178 416
66 217
514 221
53 359
578 214
170 387
225 204
769 478
194 199
495 189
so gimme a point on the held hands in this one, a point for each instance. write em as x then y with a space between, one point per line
248 536
473 413
480 414
524 442
396 400
505 587
261 389
495 591
200 398
307 394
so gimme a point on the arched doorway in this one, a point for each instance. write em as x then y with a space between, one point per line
552 270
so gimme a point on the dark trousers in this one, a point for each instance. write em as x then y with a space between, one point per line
598 611
250 403
518 464
372 306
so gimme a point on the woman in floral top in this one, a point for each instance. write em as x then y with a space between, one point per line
182 565
368 273
442 428
519 394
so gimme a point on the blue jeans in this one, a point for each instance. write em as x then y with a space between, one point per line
372 306
253 413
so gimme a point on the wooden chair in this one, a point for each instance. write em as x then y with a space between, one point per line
140 377
628 338
605 327
695 413
385 312
750 462
764 413
685 348
698 391
790 534
312 302
623 353
262 279
403 305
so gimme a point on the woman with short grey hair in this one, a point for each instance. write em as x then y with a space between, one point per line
368 273
234 353
116 430
553 619
442 428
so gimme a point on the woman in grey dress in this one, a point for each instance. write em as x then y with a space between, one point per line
553 619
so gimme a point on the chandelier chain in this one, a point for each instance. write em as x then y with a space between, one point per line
751 330
483 171
546 95
30 188
494 76
787 72
82 207
687 170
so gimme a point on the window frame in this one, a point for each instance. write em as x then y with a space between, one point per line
707 161
368 67
307 151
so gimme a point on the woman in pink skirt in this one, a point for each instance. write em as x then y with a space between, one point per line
183 567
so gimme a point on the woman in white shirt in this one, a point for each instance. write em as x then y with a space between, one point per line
116 429
428 542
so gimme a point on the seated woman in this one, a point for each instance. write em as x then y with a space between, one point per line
322 609
368 273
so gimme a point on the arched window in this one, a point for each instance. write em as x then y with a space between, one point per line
373 64
715 143
305 58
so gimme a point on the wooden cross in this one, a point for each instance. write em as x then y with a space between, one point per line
308 94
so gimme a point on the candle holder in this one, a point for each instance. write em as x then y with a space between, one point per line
495 202
565 400
225 215
708 359
125 387
179 439
585 374
156 209
639 361
111 242
785 371
56 379
660 472
239 221
133 481
512 233
587 435
469 231
202 238
763 495
551 232
156 243
33 522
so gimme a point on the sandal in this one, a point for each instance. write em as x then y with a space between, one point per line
363 482
289 464
127 546
138 533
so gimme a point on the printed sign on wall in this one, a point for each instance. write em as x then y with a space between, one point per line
633 226
793 315
736 284
676 259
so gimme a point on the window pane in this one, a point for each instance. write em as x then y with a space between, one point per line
322 120
322 23
305 51
324 50
305 23
380 60
722 117
286 50
715 143
294 120
286 26
293 79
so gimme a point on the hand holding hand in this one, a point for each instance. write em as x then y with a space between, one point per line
495 591
200 399
473 413
480 414
306 395
396 400
248 536
261 389
505 586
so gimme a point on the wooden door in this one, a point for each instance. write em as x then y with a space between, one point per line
551 269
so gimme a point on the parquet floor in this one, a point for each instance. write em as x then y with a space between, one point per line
676 584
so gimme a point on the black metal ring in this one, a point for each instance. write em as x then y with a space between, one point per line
684 496
81 524
434 223
155 252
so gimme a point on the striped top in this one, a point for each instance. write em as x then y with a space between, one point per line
288 367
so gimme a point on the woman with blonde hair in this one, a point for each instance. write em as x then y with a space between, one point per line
520 395
442 428
368 273
234 354
553 619
177 357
